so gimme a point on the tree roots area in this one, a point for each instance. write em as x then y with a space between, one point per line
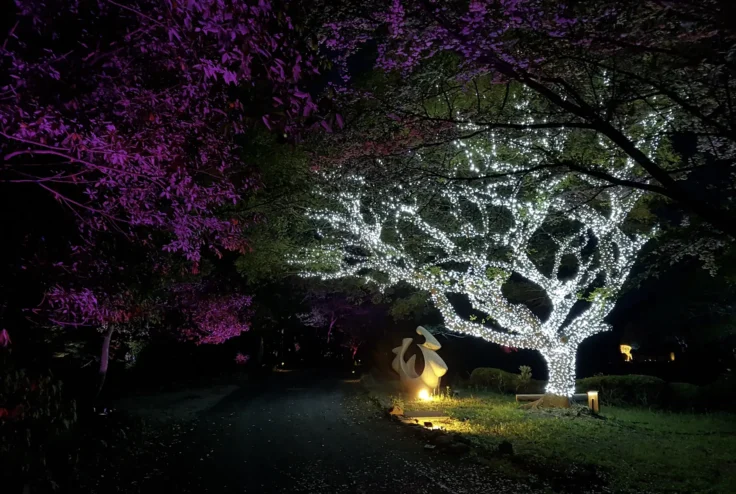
548 401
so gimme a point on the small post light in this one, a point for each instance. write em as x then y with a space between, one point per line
593 403
424 394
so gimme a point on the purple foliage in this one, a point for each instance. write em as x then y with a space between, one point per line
83 307
129 115
131 123
484 34
216 320
4 339
212 318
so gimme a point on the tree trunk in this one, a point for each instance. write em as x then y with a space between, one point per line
333 320
561 368
261 350
104 360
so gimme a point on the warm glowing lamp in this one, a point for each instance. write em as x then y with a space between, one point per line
672 356
593 402
424 394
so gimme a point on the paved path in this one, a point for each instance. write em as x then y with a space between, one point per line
299 433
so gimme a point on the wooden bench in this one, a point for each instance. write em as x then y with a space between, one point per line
576 397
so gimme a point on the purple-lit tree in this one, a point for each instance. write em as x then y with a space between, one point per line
326 311
149 295
105 293
131 115
83 307
127 113
345 310
211 317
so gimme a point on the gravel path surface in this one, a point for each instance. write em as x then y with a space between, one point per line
301 433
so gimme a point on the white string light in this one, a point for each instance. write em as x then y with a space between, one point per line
364 235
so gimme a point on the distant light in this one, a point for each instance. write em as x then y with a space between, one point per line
424 394
626 350
282 363
672 356
353 372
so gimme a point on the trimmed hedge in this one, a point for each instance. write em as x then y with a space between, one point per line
631 389
501 381
683 396
646 391
493 379
720 394
628 390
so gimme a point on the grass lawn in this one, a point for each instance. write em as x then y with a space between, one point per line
634 450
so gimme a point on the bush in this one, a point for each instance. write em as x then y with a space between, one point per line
683 396
628 390
493 379
525 376
498 380
34 414
636 390
534 386
720 394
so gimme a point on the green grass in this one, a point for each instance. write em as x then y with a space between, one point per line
634 450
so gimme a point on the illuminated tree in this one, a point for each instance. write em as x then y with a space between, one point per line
470 237
672 59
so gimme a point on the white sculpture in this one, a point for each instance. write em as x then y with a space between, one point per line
434 366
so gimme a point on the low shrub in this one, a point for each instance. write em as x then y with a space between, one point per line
492 379
628 390
525 375
683 396
721 394
534 386
34 417
636 390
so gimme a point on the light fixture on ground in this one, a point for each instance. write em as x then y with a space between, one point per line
424 394
593 403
